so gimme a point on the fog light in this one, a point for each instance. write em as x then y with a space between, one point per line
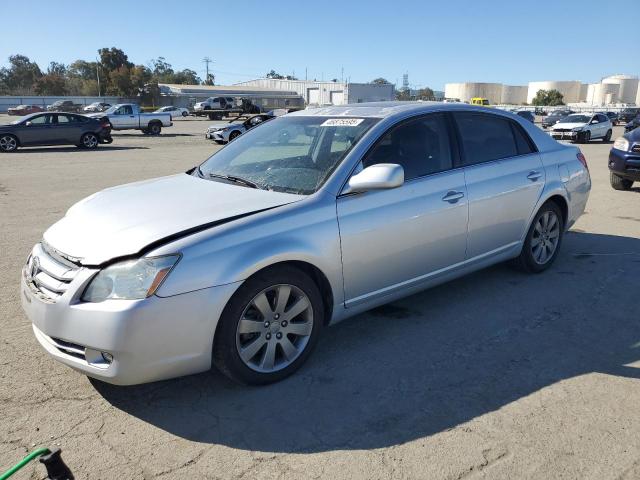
107 357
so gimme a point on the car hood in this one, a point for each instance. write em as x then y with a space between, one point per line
568 125
213 128
123 220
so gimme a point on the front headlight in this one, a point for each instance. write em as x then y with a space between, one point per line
621 143
130 280
577 129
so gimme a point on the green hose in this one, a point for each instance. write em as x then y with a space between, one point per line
24 461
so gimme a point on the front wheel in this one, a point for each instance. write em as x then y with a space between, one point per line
619 183
543 240
607 137
269 327
233 135
89 140
185 114
8 143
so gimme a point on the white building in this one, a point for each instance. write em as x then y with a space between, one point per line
467 90
327 93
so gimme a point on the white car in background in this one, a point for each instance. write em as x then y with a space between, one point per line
583 127
173 111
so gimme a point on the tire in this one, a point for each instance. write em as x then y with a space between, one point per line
8 143
586 138
535 256
89 141
154 128
185 114
619 183
607 137
233 135
263 335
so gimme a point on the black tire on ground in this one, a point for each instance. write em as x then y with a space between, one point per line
8 143
185 114
233 135
154 128
89 140
525 261
607 137
619 183
225 354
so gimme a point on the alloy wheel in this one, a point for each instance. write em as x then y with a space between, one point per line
90 141
274 328
8 143
546 236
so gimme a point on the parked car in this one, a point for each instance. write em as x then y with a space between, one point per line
173 111
632 124
242 261
527 115
127 116
21 110
54 129
225 133
64 106
96 107
624 161
215 103
583 127
613 116
554 117
629 114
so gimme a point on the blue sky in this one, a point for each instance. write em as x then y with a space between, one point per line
511 42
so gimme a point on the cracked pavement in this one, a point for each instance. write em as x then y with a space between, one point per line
496 375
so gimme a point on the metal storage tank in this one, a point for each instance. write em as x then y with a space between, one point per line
514 94
467 90
601 94
570 90
627 87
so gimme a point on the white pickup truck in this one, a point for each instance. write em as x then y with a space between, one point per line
127 116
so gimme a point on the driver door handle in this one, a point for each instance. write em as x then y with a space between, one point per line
534 175
452 196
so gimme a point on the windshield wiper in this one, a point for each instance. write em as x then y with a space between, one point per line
231 178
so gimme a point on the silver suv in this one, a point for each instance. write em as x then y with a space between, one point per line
311 218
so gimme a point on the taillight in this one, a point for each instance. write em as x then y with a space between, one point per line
582 159
105 125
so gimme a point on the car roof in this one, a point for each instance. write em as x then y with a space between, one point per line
387 109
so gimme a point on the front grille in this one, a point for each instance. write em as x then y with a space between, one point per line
48 273
73 349
561 129
636 148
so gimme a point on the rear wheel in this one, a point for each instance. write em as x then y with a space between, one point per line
184 114
543 240
233 135
607 137
8 143
89 140
619 183
154 128
269 327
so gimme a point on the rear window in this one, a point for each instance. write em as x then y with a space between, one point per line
487 137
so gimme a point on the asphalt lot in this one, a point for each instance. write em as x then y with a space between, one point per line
496 375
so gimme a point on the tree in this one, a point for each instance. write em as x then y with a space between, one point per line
403 95
186 77
548 98
274 74
162 70
21 75
51 84
56 68
425 94
210 80
381 81
113 58
83 69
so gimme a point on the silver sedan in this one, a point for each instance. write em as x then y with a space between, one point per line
311 218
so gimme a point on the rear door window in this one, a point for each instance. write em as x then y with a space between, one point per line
485 137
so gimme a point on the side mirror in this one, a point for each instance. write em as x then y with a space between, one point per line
28 124
593 122
382 176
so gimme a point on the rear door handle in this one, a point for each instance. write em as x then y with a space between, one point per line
452 196
533 176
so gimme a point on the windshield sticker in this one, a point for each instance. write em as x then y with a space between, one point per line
342 122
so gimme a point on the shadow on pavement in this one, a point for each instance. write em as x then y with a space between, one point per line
426 363
73 149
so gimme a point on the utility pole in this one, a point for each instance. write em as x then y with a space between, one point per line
207 61
98 74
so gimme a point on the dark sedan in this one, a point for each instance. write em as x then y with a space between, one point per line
632 124
624 161
613 116
22 110
527 115
54 129
629 114
554 117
